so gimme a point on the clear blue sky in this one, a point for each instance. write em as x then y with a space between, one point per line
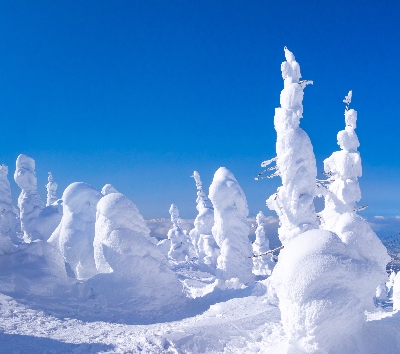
141 93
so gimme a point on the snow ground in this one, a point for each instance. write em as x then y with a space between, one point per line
216 319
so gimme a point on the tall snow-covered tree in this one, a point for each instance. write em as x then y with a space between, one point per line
314 261
231 230
295 160
342 192
51 187
201 235
29 202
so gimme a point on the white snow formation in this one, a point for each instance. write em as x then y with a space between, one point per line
343 169
201 235
231 229
262 265
181 249
75 234
51 187
295 160
325 279
35 269
107 189
29 201
123 247
396 292
8 217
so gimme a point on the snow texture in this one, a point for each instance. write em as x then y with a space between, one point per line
295 161
75 234
181 249
29 202
51 187
201 235
8 217
107 189
231 229
262 265
140 276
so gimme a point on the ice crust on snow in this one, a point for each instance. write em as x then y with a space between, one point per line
29 201
201 235
75 234
262 265
231 229
295 162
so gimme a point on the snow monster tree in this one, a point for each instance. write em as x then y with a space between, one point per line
324 284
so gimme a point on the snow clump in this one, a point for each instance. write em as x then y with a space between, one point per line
231 229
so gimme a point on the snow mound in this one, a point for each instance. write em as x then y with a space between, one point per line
323 291
35 269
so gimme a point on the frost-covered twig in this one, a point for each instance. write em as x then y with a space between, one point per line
270 176
361 208
263 254
268 162
347 99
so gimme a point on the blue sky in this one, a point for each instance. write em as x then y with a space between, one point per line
141 93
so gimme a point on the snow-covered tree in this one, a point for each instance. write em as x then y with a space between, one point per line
262 265
181 249
343 192
123 247
324 280
8 217
295 160
107 189
29 202
231 230
343 169
75 234
201 235
51 187
396 292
